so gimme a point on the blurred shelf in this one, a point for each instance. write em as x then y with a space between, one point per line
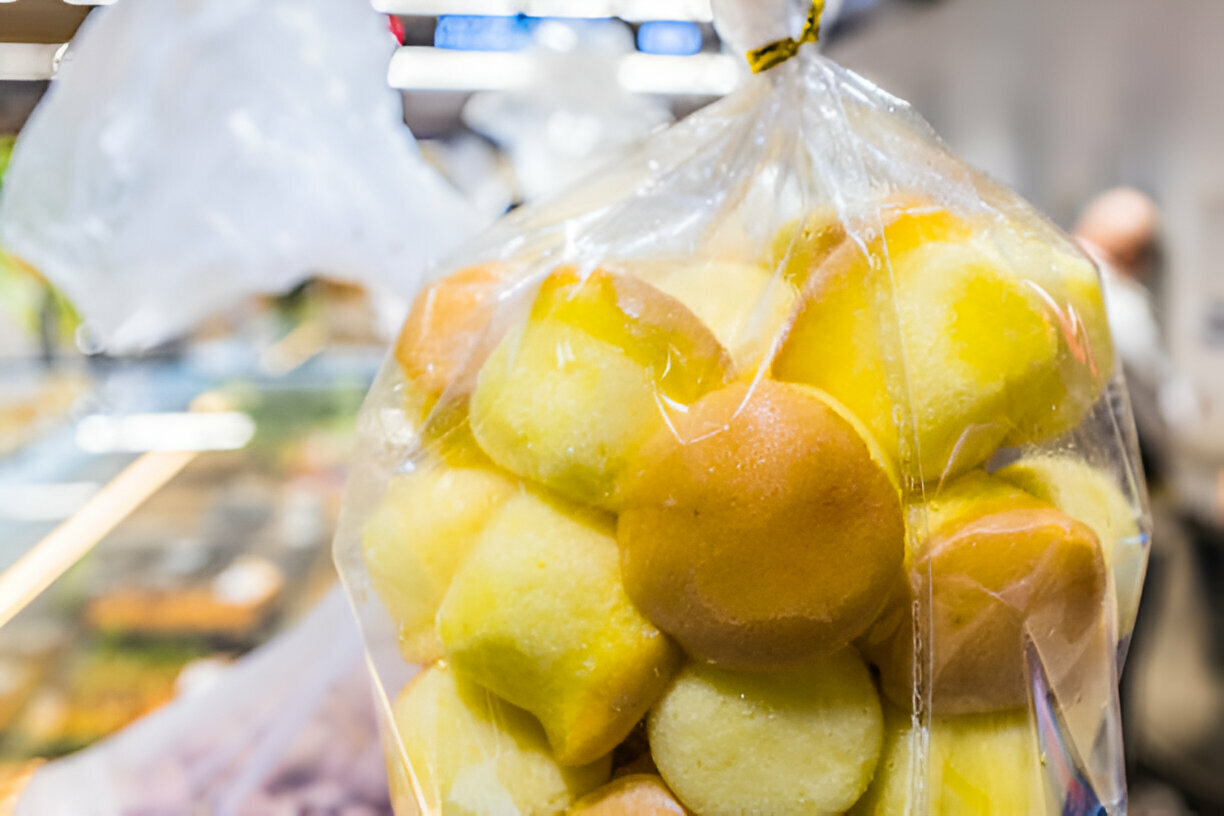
24 62
157 552
628 10
423 68
40 21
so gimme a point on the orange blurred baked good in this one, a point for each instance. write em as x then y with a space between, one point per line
446 323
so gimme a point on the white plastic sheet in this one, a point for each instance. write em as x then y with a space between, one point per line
191 153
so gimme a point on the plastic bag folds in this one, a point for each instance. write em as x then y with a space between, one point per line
783 468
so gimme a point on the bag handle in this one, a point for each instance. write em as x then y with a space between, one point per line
763 30
777 52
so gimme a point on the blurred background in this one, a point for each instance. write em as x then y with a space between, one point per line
182 500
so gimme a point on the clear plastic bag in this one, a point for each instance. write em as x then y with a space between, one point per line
782 468
190 153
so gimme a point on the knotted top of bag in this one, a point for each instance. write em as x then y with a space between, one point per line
769 32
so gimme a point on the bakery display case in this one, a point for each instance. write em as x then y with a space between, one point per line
178 512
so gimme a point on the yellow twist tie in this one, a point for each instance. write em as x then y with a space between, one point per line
767 56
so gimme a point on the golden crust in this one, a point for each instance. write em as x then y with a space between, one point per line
993 575
635 795
760 530
445 325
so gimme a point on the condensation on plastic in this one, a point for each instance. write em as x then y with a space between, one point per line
296 707
190 153
999 671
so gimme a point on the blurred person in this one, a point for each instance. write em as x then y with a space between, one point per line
1175 688
1119 229
1120 225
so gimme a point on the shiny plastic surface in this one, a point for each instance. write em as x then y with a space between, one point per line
189 155
787 461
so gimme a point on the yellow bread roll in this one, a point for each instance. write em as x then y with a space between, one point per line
802 247
747 307
440 425
467 753
803 742
538 615
1069 285
426 524
762 529
570 394
979 765
949 338
635 795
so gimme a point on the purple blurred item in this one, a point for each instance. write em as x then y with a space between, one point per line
290 729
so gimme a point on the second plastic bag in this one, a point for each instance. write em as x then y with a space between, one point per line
191 154
781 469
